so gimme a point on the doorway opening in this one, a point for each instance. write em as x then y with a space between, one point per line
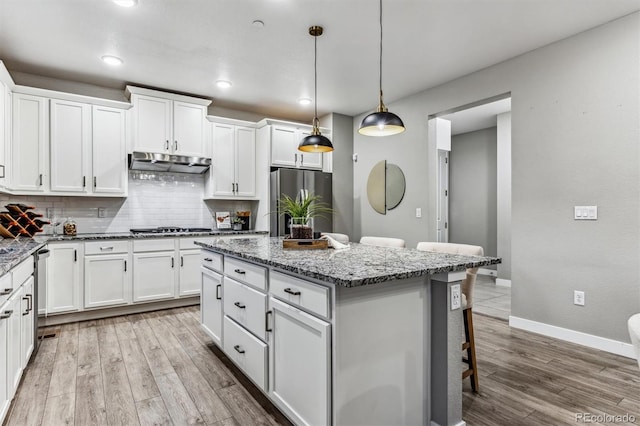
473 188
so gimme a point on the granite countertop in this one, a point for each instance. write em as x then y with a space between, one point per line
355 266
14 251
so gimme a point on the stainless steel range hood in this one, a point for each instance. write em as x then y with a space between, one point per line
154 162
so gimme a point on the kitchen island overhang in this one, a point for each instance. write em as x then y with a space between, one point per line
395 346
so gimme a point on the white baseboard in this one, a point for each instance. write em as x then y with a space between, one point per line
503 283
490 272
589 340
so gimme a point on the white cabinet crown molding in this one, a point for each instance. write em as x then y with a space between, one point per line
5 77
299 126
129 90
46 93
231 121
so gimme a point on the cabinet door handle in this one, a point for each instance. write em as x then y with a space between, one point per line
6 291
301 158
75 255
218 287
125 266
7 314
40 179
30 306
208 259
172 262
181 261
167 145
84 181
266 321
238 349
175 145
292 292
106 248
296 160
240 305
239 271
95 182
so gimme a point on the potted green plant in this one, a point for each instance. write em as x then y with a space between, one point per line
236 223
302 210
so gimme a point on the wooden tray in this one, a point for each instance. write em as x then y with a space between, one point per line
290 243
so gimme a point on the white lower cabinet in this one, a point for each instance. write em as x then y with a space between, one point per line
4 352
107 280
246 306
300 364
189 277
153 276
14 346
64 277
246 351
211 303
26 321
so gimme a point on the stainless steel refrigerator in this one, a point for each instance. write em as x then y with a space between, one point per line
290 182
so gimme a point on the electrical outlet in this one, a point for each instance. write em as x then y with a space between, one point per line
418 212
102 212
455 297
578 298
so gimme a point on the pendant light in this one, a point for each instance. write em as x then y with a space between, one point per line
315 142
382 122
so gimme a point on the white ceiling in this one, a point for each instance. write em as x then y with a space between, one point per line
186 45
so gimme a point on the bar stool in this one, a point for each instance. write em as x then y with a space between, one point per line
469 345
382 242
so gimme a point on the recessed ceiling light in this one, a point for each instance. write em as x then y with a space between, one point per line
304 101
111 60
223 84
126 3
257 23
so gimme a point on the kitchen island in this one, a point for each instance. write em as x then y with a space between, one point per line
361 336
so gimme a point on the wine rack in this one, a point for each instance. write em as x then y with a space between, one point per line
19 221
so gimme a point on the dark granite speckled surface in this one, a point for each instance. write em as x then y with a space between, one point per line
355 266
14 251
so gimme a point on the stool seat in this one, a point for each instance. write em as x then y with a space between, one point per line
382 241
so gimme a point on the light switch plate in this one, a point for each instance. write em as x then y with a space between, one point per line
585 212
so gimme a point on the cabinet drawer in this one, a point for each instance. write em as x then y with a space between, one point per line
309 296
211 260
6 287
246 272
245 305
163 244
106 247
247 352
21 272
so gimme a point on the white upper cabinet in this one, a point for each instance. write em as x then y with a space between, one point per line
169 123
66 144
70 141
233 170
5 130
109 151
30 143
285 138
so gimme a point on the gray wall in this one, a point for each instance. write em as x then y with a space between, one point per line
575 132
504 197
473 190
342 139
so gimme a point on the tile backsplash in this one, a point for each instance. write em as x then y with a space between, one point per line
155 199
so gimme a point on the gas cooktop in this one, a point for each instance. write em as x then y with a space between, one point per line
168 230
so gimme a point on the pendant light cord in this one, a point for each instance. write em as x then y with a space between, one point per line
315 79
380 51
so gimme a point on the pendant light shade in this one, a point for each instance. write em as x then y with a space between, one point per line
381 122
315 142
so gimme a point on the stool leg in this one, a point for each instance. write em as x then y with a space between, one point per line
471 349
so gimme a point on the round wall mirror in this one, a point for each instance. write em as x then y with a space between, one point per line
385 186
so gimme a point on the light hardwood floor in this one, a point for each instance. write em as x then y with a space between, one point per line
160 368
